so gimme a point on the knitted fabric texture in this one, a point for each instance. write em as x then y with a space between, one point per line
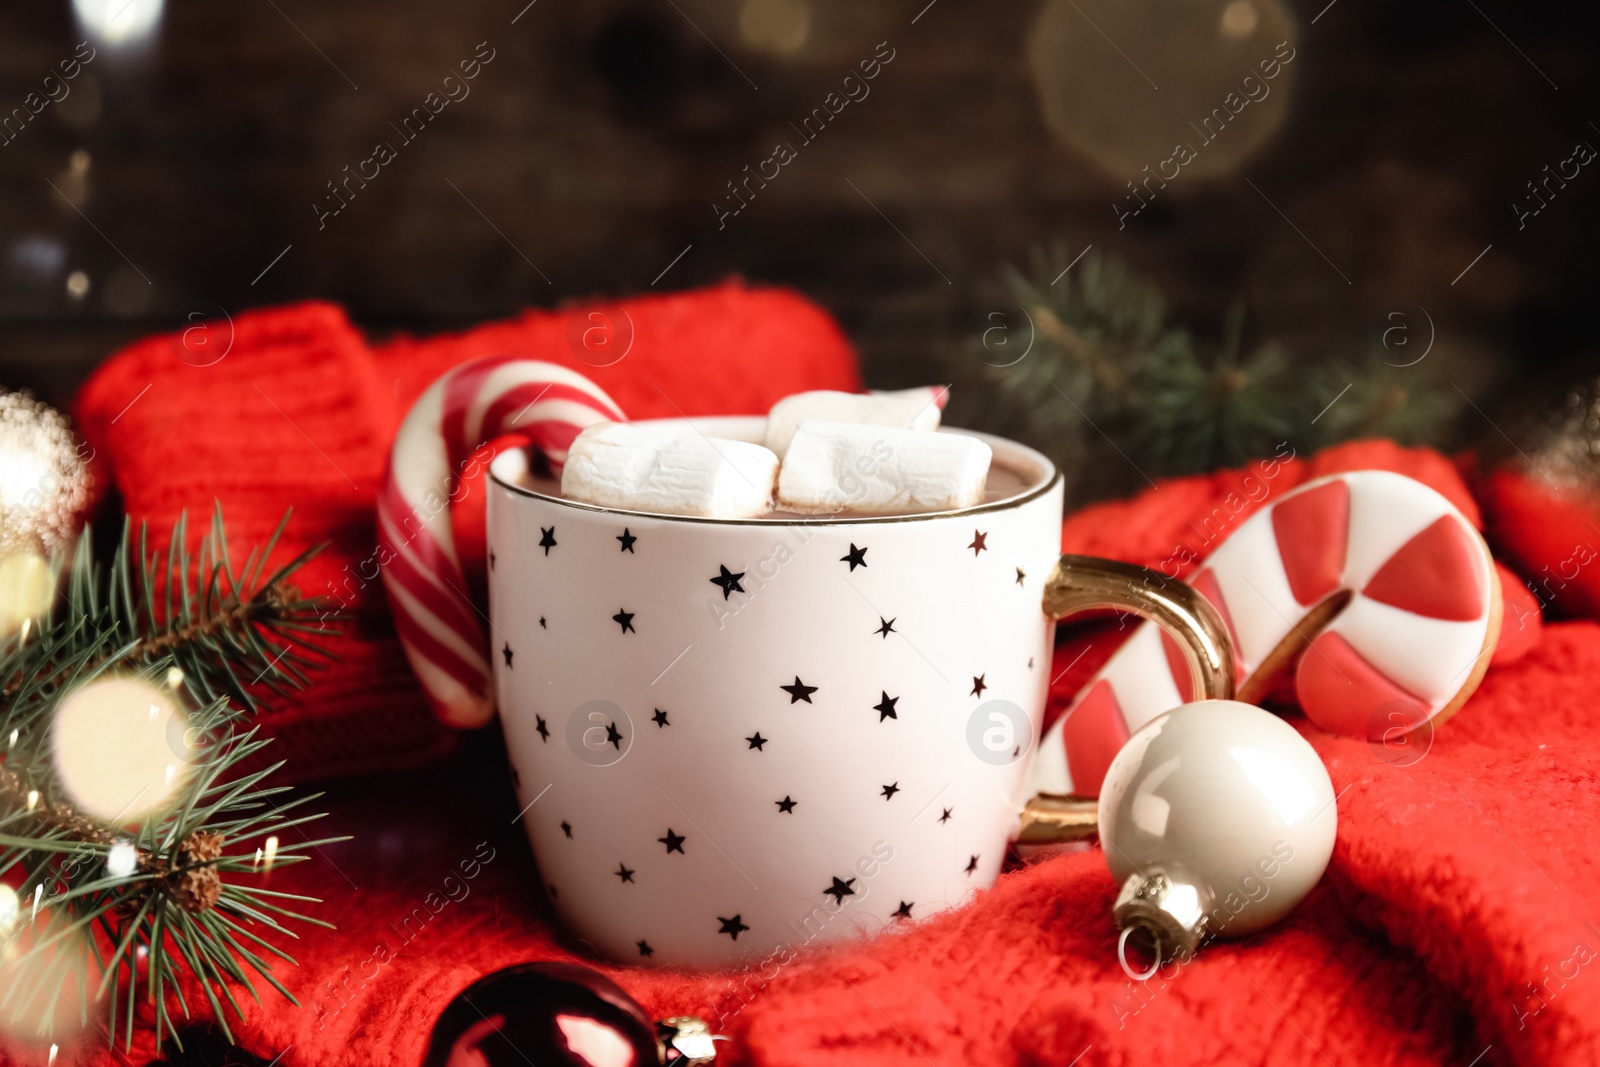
1551 533
1456 924
300 412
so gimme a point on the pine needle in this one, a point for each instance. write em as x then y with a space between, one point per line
1117 395
232 635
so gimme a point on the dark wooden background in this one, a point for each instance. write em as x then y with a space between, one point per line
596 141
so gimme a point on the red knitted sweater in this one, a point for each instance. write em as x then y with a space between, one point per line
300 412
1459 922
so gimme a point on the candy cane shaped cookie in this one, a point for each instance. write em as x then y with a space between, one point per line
439 627
1370 585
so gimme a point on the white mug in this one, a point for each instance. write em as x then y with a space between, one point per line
733 737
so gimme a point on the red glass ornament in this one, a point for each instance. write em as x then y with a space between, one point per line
543 1015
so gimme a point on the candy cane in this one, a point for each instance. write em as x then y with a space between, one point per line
439 627
937 395
1371 585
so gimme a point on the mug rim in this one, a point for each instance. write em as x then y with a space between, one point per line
1049 482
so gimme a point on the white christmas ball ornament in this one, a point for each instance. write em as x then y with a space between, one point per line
1217 818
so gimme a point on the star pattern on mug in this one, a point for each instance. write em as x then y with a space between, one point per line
542 626
798 691
840 889
506 652
729 581
491 559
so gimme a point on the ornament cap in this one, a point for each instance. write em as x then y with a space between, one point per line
687 1041
1162 909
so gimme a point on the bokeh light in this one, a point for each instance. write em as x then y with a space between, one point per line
122 860
27 590
10 910
1126 82
112 748
119 22
779 27
1239 19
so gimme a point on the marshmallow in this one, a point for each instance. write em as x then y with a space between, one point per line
672 471
841 466
910 409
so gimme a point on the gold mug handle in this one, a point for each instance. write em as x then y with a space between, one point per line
1082 583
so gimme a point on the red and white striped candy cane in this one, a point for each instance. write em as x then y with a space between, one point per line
938 395
440 628
1370 586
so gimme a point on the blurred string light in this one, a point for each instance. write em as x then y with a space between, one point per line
779 27
119 23
73 181
10 911
38 255
266 857
118 747
20 476
27 590
1239 19
122 860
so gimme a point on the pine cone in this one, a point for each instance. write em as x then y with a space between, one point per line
197 889
202 846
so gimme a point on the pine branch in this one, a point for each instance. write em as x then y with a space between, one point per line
1384 399
1116 394
191 623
